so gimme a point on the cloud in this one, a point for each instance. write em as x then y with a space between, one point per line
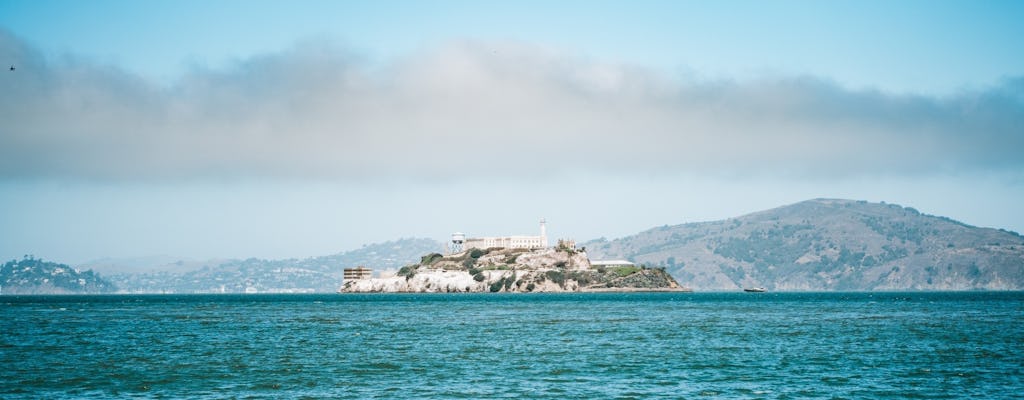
478 110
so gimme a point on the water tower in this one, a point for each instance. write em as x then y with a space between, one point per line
458 239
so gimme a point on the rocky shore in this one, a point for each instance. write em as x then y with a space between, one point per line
514 270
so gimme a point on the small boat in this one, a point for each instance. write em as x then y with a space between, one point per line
755 290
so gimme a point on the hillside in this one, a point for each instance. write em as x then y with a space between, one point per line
828 244
514 270
314 274
35 276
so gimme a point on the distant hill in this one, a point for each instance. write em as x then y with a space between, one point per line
134 265
829 244
315 274
35 276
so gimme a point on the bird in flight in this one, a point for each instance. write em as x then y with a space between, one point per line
12 68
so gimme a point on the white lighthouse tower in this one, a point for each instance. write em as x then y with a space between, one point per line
543 234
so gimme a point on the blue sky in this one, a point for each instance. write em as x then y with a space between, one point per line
920 46
289 129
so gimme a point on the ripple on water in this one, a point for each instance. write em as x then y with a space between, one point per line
914 345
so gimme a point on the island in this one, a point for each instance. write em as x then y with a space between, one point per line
516 270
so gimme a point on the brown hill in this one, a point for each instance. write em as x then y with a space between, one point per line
829 244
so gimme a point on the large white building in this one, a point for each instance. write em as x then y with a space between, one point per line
357 273
460 242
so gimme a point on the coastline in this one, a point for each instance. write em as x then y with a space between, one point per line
635 290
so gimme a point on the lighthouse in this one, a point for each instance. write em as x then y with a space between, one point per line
543 234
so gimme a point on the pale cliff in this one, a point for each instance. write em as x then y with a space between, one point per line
513 270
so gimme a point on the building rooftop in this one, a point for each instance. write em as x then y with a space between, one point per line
610 262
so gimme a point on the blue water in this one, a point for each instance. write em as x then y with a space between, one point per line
637 345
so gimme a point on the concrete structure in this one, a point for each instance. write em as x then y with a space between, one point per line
566 244
611 263
358 273
460 241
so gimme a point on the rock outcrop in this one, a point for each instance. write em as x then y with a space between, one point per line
514 270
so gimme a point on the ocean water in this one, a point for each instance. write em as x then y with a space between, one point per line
607 345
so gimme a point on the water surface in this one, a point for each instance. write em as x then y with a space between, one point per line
596 345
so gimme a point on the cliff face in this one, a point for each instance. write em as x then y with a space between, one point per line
829 244
513 270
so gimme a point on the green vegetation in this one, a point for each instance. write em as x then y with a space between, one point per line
408 271
555 276
477 253
431 258
773 246
895 230
625 271
504 282
582 277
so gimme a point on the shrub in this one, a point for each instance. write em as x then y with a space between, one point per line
479 277
431 258
530 287
555 276
476 253
581 277
407 271
625 271
505 282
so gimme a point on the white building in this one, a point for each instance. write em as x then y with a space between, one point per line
460 242
611 263
357 273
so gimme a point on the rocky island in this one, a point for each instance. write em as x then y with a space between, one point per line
515 270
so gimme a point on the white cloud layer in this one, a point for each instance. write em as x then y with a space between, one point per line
477 110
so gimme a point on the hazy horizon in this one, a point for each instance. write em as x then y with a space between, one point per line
279 130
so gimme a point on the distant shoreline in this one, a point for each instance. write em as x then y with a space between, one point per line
634 290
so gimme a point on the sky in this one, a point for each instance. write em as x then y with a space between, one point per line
275 129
